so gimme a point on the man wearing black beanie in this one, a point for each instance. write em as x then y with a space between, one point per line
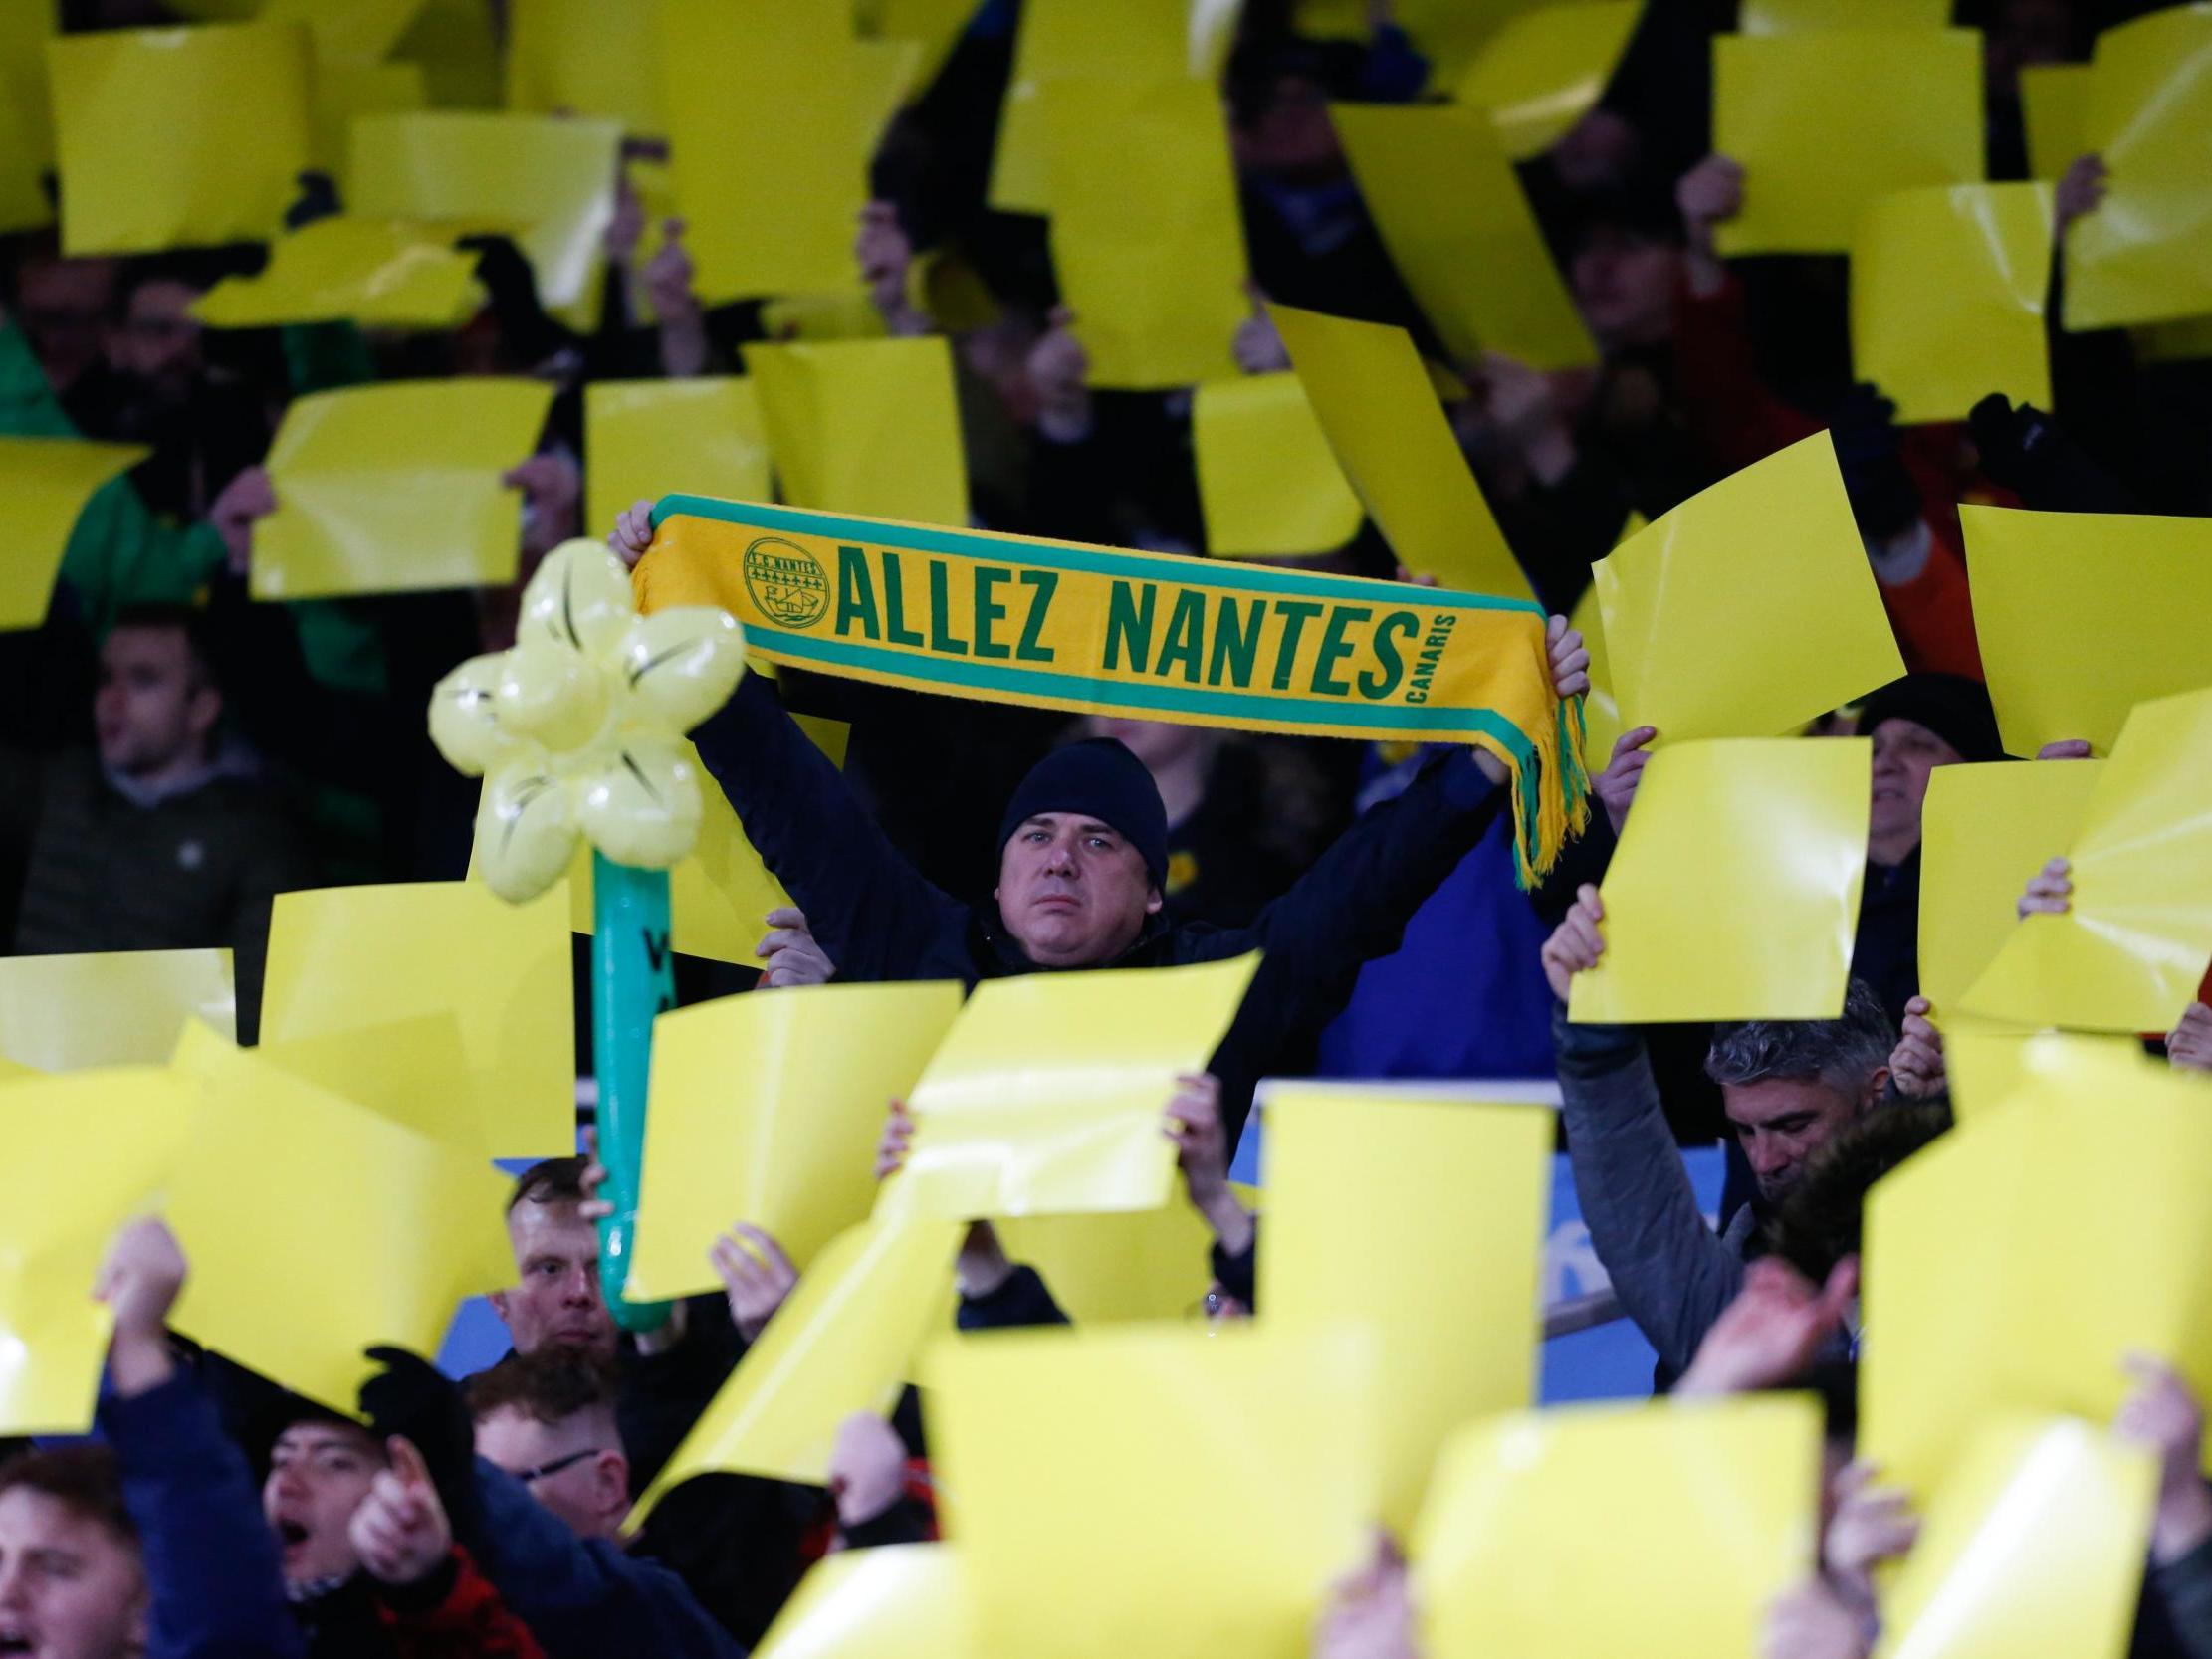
1082 855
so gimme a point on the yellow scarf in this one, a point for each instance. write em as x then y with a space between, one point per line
1142 636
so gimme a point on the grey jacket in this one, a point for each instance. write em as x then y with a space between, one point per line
1672 1272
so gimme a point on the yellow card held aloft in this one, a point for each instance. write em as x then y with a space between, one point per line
1227 1476
363 30
585 57
767 1109
1734 893
864 425
1711 1508
2082 615
178 138
1121 1265
110 1008
645 439
1601 710
43 485
896 1602
2035 1544
2054 108
1046 1096
344 91
403 1068
1750 610
545 181
316 1227
1380 1210
1267 483
842 1343
2141 256
26 121
88 1152
1545 69
341 958
1995 1277
395 487
1947 297
1460 231
1797 17
1379 409
1992 1064
1984 831
770 118
1779 102
1148 243
2130 952
376 273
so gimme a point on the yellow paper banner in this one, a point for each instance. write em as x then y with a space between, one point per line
900 1601
177 138
1734 893
1995 1277
376 273
1710 634
1376 403
1545 69
1046 1096
26 123
86 1154
2083 615
1600 709
1984 831
1148 243
1796 17
1992 1065
547 182
43 485
344 958
1709 1509
1460 231
401 1069
2129 953
1119 1266
2141 256
767 1109
346 91
842 1343
1450 1200
317 1228
770 118
360 29
1946 298
585 57
1268 483
644 438
109 1008
1222 1544
2054 108
864 425
1779 102
395 487
2035 1544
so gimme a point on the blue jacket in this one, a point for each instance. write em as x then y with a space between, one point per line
585 1598
212 1565
879 918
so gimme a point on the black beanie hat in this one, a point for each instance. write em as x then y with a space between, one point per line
1101 780
1951 706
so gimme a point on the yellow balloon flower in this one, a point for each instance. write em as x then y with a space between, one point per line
578 730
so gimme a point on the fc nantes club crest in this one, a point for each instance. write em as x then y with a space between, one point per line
787 582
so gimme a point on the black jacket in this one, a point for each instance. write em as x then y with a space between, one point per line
879 920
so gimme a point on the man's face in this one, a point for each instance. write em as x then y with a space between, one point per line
584 1477
154 709
68 1588
64 306
159 343
1782 1121
557 1304
1906 751
1625 285
1072 891
319 1472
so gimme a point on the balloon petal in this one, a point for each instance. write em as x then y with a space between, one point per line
464 717
578 597
552 693
681 665
643 806
526 831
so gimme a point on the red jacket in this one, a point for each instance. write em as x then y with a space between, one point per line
468 1620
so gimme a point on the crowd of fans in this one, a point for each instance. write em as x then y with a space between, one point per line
176 755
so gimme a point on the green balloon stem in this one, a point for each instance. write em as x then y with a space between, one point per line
632 980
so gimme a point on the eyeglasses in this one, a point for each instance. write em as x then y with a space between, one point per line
530 1477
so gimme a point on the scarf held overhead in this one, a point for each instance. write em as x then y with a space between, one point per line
1140 636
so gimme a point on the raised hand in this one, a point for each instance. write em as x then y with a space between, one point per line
1576 944
867 1469
2164 1417
790 954
1916 1063
2050 891
140 1279
1616 785
400 1530
1769 1334
756 1275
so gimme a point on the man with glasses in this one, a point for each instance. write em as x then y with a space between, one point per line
550 1423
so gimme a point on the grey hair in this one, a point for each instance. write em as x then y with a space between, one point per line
1843 1053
